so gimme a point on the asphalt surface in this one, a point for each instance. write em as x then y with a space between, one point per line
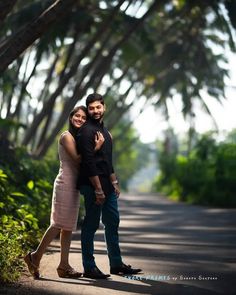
182 249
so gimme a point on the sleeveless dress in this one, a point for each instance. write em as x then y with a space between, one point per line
65 198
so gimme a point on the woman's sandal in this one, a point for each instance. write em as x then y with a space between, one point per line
68 273
33 269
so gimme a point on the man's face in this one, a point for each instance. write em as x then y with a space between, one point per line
96 110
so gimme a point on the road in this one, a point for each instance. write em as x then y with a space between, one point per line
182 249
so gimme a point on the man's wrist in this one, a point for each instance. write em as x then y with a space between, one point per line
99 192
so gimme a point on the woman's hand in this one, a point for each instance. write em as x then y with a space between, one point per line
99 140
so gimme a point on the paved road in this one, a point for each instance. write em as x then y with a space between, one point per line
182 249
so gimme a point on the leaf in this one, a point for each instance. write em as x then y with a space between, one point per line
2 174
17 194
4 218
30 216
30 184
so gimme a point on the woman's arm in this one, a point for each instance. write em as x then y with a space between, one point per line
68 142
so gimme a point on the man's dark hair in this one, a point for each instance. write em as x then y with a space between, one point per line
94 97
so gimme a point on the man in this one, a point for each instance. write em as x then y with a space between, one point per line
99 185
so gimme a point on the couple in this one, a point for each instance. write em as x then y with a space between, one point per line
87 145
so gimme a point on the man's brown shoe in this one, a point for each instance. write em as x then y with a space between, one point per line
95 273
124 270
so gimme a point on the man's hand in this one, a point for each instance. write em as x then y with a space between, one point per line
117 189
100 197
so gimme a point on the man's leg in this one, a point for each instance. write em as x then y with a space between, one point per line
111 220
89 227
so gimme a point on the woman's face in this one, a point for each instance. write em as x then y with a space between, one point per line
78 118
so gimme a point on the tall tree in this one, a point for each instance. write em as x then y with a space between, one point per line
5 7
166 52
27 35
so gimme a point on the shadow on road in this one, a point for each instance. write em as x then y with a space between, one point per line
161 237
144 287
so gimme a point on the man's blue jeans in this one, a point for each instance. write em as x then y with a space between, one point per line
110 219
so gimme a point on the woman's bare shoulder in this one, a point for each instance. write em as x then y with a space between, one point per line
65 137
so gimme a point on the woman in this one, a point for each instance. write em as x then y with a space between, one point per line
65 199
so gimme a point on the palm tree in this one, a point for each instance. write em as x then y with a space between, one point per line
167 51
32 31
5 7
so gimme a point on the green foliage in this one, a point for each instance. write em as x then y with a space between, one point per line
231 137
129 153
10 124
226 174
207 176
158 59
11 250
25 199
17 225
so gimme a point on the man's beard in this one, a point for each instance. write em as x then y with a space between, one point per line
97 119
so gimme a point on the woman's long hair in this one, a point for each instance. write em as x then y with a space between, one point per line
72 129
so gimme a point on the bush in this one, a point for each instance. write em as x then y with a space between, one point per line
225 174
11 251
207 176
25 201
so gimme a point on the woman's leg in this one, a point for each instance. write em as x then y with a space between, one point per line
64 269
65 238
49 235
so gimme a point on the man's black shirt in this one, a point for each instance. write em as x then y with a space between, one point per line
95 162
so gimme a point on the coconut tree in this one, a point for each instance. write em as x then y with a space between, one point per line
5 8
167 52
27 35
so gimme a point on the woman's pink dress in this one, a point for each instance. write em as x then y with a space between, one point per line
65 199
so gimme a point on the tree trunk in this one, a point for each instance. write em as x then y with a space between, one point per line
24 84
5 7
69 55
79 92
100 32
45 92
11 94
115 82
33 31
99 72
126 128
117 113
45 127
130 31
